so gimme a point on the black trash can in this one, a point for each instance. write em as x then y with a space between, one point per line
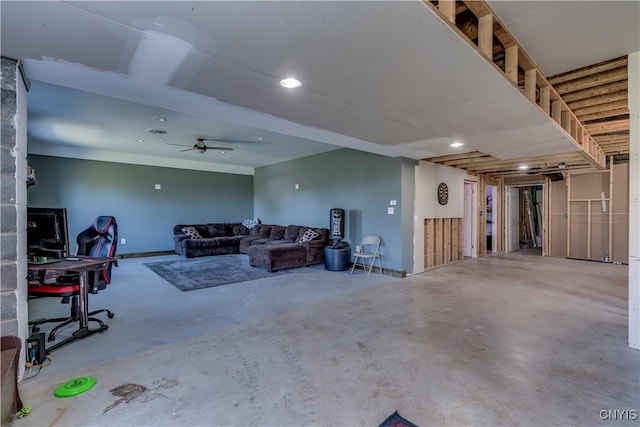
337 259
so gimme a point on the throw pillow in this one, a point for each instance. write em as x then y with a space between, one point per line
250 223
191 232
309 235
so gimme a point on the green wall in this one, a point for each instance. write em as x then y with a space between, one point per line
363 184
145 216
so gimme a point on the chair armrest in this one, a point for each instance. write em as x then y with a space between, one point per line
180 237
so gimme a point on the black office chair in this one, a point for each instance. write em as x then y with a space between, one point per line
98 240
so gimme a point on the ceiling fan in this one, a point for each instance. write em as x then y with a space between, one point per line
201 146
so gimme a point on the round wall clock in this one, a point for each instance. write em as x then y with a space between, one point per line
443 193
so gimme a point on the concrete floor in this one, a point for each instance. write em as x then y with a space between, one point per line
501 340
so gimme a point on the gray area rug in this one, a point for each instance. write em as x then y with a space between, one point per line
206 272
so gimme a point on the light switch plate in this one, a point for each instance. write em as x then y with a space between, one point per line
390 210
158 187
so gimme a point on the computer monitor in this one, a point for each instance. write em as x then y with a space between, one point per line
47 232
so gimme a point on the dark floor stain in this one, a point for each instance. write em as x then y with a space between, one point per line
135 392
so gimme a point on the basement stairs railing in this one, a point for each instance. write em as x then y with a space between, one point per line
475 23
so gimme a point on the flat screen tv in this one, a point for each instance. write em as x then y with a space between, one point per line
47 232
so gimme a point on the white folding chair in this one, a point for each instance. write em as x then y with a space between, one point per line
369 250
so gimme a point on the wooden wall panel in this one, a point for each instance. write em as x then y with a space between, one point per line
442 241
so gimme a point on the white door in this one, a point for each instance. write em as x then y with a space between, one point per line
513 219
467 249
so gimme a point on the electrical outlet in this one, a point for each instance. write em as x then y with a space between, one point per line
123 241
392 202
158 187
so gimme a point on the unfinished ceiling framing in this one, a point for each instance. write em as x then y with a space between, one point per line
589 104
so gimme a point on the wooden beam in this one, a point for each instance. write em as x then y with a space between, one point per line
566 121
545 99
604 114
511 63
607 127
601 108
478 8
485 35
611 97
589 70
610 139
592 81
448 9
556 111
530 85
595 91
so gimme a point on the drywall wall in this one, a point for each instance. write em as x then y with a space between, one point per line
620 213
558 219
427 177
145 216
363 184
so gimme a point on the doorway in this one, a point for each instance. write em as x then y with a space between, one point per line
470 229
492 218
524 218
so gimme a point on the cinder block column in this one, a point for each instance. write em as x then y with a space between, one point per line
13 204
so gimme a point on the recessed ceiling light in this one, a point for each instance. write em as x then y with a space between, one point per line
156 131
523 167
290 83
139 140
160 119
456 144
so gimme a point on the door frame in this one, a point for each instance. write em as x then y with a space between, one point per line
543 216
470 219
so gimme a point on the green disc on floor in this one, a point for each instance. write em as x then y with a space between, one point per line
75 386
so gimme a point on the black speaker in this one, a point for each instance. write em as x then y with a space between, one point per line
336 224
36 353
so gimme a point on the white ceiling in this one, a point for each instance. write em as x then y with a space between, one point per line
384 77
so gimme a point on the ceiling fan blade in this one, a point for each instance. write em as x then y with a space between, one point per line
220 148
230 141
188 149
179 145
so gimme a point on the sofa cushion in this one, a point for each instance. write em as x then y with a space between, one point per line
277 232
227 241
191 232
291 232
264 231
239 230
216 230
308 235
200 243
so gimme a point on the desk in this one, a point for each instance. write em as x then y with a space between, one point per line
82 265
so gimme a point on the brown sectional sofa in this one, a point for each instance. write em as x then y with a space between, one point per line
285 247
273 247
